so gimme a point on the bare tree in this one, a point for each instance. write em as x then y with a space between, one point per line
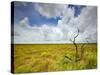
75 44
77 55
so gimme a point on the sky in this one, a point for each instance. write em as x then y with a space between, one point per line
54 23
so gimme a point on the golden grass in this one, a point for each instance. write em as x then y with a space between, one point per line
51 57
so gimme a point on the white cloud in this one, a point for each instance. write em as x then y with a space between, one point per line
50 10
88 18
64 31
28 34
86 22
52 33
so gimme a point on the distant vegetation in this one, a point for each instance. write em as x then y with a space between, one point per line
53 57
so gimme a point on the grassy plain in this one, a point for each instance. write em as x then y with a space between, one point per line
51 57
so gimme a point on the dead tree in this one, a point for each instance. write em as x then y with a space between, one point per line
78 56
76 47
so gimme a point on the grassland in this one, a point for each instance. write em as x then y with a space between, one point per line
51 57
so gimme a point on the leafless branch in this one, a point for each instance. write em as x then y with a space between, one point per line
76 55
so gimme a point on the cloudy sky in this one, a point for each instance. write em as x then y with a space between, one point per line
54 23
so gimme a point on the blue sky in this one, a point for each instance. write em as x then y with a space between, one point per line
35 18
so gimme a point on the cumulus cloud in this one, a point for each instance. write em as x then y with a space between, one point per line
50 10
24 33
88 18
64 31
86 22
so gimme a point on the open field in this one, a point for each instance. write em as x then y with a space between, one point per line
51 57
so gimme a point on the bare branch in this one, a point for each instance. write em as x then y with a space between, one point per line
77 34
76 56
